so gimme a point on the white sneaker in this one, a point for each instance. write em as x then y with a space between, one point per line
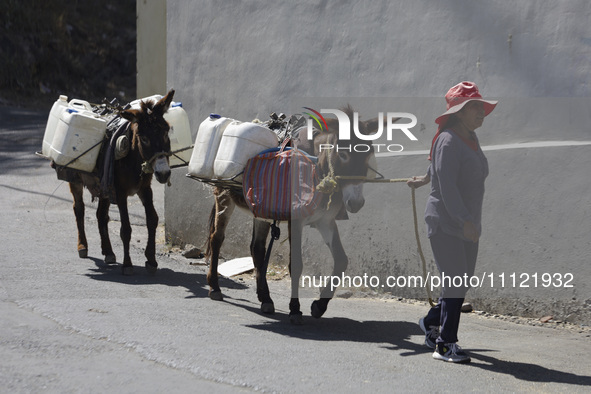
450 352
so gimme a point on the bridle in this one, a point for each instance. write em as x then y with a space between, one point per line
148 165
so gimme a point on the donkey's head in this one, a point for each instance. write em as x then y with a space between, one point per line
150 135
348 159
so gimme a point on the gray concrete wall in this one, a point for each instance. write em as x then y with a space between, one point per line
248 59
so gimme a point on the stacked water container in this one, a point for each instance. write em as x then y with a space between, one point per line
224 145
73 134
54 117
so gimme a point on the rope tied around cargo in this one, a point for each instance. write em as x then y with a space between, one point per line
328 185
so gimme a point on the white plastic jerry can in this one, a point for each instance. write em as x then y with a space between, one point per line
77 140
240 142
54 115
206 146
80 105
179 134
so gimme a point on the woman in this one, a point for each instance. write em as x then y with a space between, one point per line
453 213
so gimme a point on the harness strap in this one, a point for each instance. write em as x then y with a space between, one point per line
83 153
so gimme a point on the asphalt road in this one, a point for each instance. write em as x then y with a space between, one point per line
76 325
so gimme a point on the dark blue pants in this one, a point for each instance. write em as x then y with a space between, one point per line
454 258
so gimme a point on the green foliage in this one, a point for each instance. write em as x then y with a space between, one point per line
84 49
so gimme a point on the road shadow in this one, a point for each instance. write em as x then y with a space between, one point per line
21 135
395 335
527 371
195 283
48 195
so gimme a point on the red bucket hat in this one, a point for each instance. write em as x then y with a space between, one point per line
456 98
460 95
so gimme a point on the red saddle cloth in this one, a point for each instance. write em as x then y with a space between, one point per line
281 184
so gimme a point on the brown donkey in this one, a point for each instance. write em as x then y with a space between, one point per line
148 154
348 197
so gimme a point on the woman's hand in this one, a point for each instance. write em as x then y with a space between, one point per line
470 232
418 181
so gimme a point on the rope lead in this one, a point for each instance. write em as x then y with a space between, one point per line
424 263
330 184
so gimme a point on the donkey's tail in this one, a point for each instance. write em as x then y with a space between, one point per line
212 216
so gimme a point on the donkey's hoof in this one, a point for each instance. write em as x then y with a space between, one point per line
318 309
216 295
110 259
268 308
296 318
151 268
128 270
83 253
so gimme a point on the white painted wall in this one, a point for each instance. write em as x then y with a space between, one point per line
151 47
246 59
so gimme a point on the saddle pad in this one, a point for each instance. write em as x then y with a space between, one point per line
281 185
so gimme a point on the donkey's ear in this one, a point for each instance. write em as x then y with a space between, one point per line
333 125
165 101
131 114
